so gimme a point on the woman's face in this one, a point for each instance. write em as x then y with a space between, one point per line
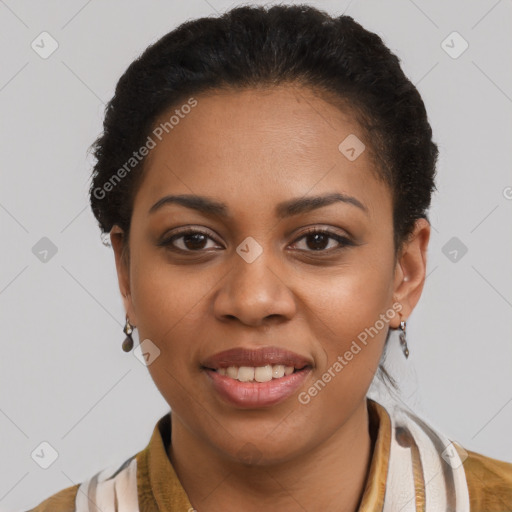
256 282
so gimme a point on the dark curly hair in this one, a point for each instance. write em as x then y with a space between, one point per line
259 47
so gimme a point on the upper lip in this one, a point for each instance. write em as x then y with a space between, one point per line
255 357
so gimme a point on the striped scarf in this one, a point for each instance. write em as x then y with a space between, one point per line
425 474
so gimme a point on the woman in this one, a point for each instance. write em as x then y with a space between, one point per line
265 178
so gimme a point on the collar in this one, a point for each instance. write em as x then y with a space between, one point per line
166 492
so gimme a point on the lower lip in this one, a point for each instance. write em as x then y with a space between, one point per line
256 394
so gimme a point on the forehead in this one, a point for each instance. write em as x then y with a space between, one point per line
265 145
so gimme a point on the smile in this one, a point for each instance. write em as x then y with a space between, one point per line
256 374
256 378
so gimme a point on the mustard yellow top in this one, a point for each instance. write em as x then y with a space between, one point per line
159 489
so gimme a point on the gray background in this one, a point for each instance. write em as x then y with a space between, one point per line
64 377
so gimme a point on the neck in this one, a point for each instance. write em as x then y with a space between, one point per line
330 477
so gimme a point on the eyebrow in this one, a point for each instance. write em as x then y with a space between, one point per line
283 210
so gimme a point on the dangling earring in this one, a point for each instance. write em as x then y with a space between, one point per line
403 340
128 342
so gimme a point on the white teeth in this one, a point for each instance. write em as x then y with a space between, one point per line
278 371
259 373
263 373
245 373
232 372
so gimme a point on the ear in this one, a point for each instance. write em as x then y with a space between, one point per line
411 268
117 238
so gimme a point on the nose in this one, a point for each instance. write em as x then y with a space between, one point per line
255 293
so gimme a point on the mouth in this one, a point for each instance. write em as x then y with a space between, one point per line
257 373
256 378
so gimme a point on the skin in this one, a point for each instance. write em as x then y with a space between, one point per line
252 149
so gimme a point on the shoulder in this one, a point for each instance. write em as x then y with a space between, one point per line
123 485
489 481
62 501
116 485
486 482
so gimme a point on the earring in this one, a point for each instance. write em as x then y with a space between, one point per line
403 340
128 342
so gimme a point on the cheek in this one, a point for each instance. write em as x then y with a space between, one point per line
350 348
165 296
167 301
172 309
356 308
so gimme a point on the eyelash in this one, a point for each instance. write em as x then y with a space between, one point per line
344 241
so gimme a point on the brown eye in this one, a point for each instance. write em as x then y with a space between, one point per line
191 240
194 241
318 241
